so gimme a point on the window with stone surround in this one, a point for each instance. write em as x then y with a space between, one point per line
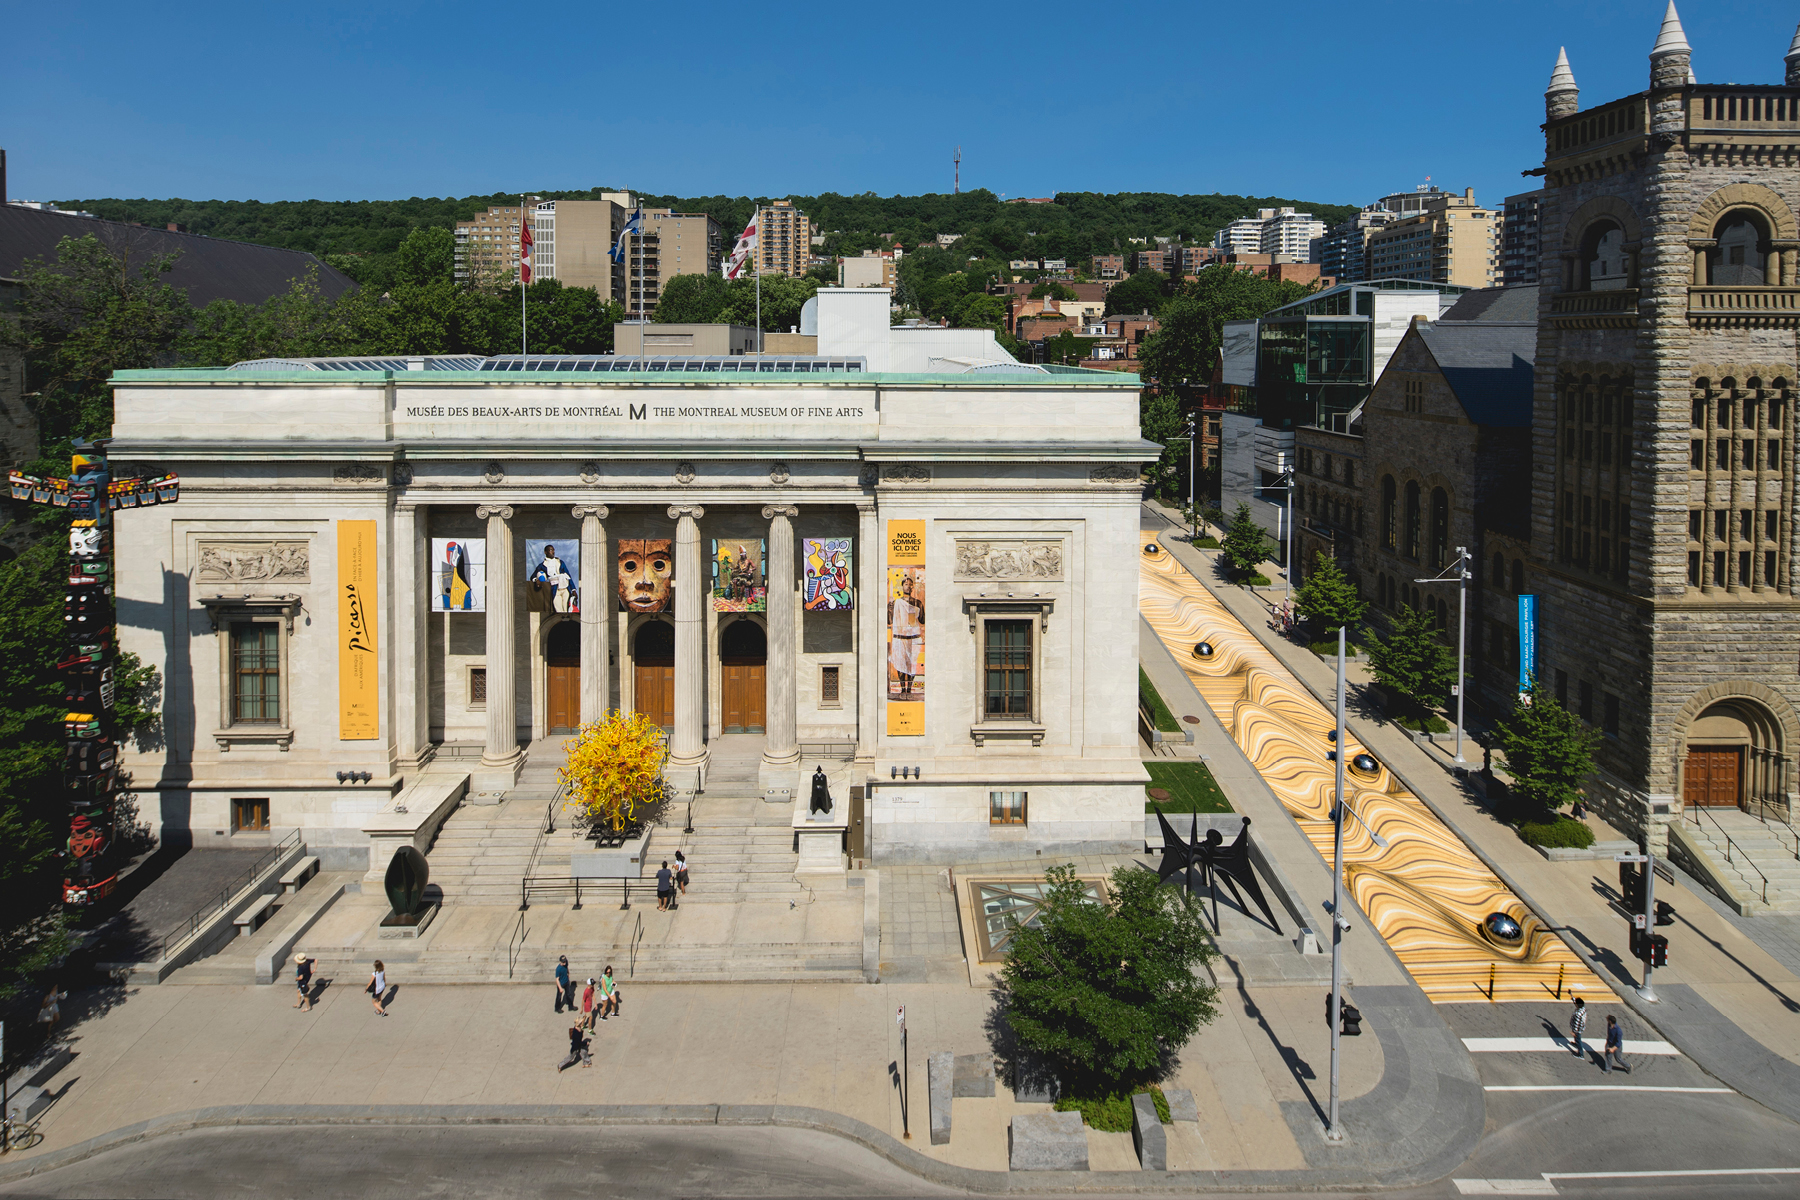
1414 522
1736 525
1389 536
1594 415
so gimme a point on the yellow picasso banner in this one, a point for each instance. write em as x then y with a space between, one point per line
906 628
359 696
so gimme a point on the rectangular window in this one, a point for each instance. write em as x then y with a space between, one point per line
477 685
1007 692
829 695
1006 808
249 815
1697 459
1724 455
1693 568
1562 688
1610 715
255 673
1719 568
1585 704
1771 525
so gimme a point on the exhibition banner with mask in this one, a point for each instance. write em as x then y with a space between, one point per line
906 628
459 574
359 687
645 565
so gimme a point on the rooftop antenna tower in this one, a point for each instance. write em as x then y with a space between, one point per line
956 161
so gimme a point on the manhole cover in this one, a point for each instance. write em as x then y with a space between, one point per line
1191 719
1159 793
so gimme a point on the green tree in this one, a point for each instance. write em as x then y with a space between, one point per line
570 320
691 300
1145 292
427 254
1245 544
1108 990
979 310
1161 420
1412 663
1191 326
1053 290
1329 596
1548 750
1069 350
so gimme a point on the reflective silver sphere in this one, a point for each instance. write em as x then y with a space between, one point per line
1502 928
1366 764
1203 650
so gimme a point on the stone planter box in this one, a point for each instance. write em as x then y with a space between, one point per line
622 862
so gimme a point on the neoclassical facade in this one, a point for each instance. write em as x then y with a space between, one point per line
1663 502
381 565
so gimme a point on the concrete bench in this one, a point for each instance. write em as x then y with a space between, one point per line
255 915
303 870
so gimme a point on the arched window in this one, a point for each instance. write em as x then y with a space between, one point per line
1388 532
1741 256
1440 529
1413 531
1518 577
1603 262
1498 578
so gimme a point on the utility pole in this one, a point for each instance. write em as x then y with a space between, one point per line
1462 577
1333 1131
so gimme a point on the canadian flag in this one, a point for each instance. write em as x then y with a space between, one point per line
740 253
525 246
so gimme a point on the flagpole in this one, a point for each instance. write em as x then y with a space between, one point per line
640 256
758 252
523 217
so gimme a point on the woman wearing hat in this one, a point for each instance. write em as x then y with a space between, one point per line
303 971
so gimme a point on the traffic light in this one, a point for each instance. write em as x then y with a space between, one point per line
1665 913
1659 950
1349 1017
1631 887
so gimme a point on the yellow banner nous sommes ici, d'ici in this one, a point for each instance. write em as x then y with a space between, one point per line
906 628
359 696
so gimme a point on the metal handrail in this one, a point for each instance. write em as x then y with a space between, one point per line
549 826
575 884
1729 844
514 944
1762 809
191 925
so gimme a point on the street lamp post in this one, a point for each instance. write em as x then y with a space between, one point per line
1461 578
1193 436
1284 473
1334 1132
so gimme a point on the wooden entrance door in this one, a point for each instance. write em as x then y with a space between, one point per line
1711 777
562 669
743 657
653 673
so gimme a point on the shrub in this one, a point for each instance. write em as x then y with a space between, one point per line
1208 543
1112 1114
1429 723
1559 833
1258 580
1328 649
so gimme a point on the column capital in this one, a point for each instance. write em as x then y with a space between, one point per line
485 511
677 511
588 510
771 511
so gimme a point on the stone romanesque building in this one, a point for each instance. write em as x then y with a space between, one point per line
1663 507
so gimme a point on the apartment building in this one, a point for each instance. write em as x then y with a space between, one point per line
1242 236
574 239
1107 266
1452 239
1519 238
1294 234
785 239
487 247
1343 251
870 269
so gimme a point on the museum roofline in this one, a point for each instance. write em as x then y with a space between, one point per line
1125 450
1061 377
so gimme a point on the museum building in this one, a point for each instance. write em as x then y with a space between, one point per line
906 551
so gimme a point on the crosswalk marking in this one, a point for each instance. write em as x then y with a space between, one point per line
1595 1087
1505 1187
1495 1045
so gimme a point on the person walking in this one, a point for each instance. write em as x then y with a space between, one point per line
665 887
303 973
1615 1047
587 1005
609 993
1577 1025
578 1049
378 987
681 872
49 1013
565 991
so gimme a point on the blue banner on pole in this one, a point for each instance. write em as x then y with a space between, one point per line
1527 642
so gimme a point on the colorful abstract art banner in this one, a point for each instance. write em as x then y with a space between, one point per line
458 574
825 565
737 575
552 567
359 686
906 628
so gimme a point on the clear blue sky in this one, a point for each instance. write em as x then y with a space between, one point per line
1327 102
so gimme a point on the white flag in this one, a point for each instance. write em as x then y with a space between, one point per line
745 244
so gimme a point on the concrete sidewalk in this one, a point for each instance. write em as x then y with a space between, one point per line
1725 1001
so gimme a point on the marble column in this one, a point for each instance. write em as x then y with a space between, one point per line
500 758
412 669
687 746
871 646
781 749
593 610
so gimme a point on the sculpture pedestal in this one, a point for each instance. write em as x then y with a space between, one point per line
410 925
819 840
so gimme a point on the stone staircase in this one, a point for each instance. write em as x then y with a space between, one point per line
1768 848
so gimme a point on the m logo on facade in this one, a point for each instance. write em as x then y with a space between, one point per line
638 412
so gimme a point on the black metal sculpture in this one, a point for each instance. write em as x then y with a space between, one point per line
405 881
1200 863
821 792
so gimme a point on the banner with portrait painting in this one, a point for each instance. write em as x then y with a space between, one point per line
825 564
645 565
458 574
737 575
906 628
552 575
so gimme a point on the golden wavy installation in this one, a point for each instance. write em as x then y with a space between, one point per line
1426 893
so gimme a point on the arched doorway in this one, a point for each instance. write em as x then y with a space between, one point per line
1734 757
653 672
562 671
743 655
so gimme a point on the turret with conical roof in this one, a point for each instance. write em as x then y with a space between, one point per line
1671 56
1562 98
1793 60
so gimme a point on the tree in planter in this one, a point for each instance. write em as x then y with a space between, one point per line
615 767
1329 596
1106 990
1548 751
1412 664
1243 545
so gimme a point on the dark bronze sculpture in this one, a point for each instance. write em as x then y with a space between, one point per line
1200 864
405 882
821 792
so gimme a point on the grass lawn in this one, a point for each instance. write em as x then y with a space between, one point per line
1190 785
1159 712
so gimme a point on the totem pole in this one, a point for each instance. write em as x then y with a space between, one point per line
89 653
